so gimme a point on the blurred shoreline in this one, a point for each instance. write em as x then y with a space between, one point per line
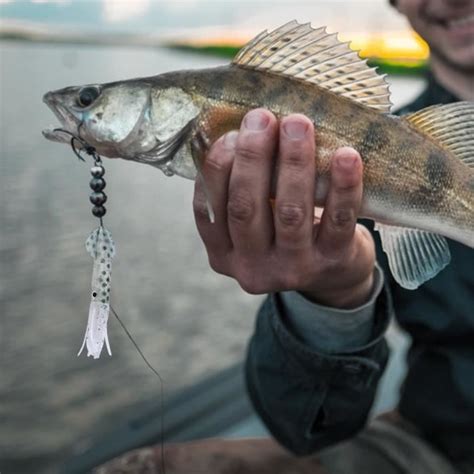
214 41
44 34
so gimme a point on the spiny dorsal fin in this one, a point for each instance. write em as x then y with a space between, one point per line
451 126
315 56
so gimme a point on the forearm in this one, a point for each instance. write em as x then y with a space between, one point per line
307 397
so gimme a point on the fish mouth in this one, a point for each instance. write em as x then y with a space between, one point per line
68 121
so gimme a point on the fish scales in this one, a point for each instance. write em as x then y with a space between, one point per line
400 164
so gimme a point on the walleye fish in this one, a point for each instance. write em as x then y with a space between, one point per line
418 169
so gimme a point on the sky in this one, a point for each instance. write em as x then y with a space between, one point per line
155 16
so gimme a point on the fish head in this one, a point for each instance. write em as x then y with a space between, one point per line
105 116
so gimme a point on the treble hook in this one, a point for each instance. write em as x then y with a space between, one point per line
89 149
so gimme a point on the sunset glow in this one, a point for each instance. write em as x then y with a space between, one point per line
398 45
393 45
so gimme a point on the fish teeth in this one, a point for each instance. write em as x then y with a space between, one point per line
461 21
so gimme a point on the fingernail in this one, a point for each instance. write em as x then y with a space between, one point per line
230 139
256 120
295 129
346 161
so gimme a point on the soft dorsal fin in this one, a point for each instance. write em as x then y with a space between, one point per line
449 125
315 56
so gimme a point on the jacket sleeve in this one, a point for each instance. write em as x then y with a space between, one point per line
309 399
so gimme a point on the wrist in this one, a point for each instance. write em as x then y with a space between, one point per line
343 298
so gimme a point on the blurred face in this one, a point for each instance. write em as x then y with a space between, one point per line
447 26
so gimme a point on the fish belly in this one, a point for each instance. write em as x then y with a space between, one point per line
388 212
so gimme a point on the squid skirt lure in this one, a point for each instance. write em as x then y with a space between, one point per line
101 247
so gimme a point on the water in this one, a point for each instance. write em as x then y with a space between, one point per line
189 321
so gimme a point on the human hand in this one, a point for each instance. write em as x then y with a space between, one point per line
330 260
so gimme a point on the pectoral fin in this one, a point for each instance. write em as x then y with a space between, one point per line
414 256
200 145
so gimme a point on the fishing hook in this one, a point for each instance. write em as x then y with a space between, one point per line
89 149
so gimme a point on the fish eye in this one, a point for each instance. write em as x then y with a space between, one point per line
87 95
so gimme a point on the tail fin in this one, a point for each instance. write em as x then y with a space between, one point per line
451 126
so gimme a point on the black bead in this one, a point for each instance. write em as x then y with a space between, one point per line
97 171
99 211
97 184
98 198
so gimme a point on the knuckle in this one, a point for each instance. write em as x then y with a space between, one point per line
295 159
347 186
240 207
217 163
291 214
342 219
245 152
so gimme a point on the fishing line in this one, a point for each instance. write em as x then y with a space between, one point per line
162 396
91 151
